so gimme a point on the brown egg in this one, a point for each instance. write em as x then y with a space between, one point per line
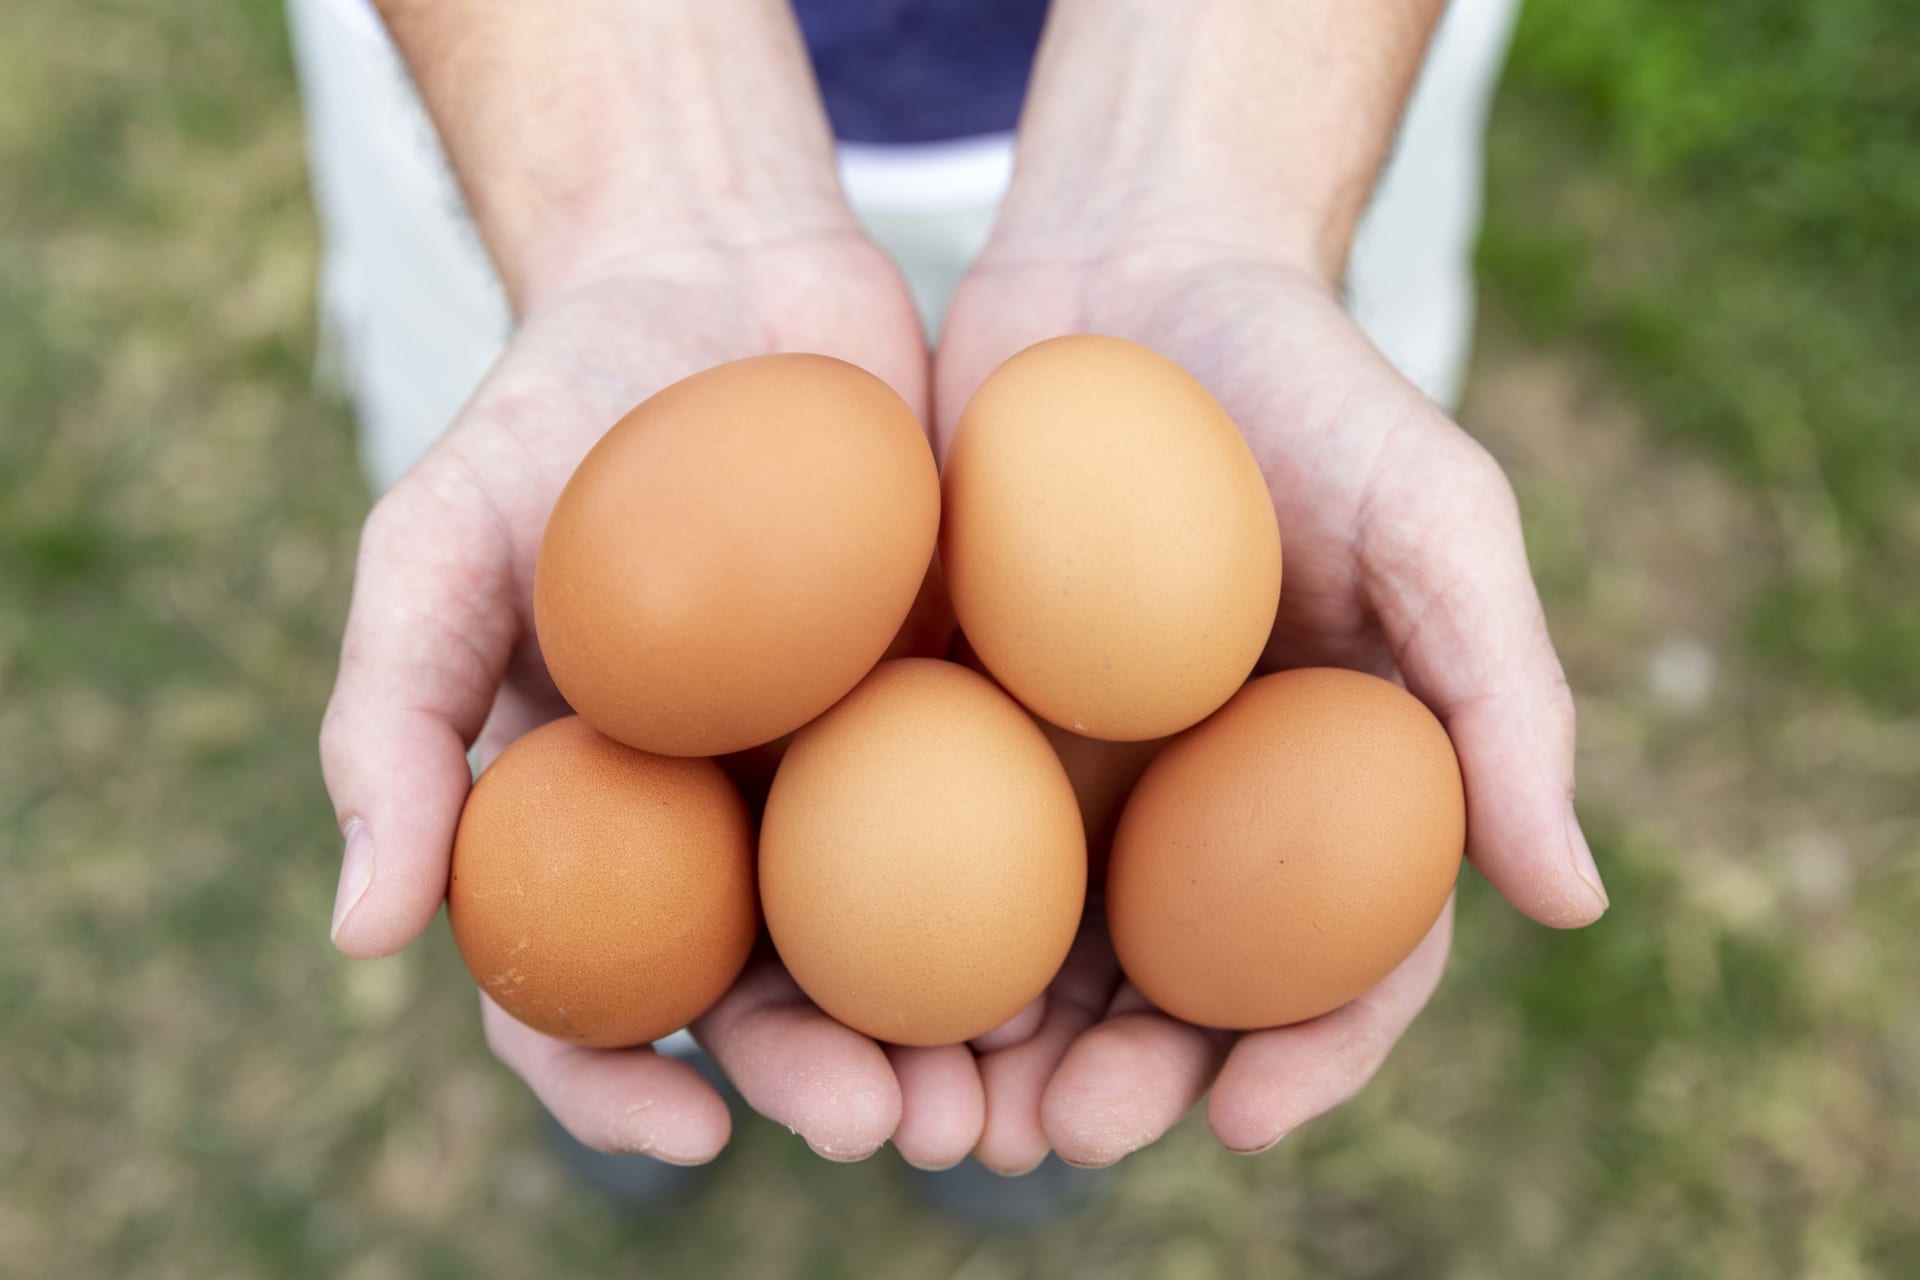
1103 775
752 771
1284 856
929 628
921 860
736 553
1108 539
927 633
600 894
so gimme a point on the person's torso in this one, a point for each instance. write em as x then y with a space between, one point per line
912 71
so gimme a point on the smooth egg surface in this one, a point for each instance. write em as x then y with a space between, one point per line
1102 773
921 858
736 553
1285 855
1109 542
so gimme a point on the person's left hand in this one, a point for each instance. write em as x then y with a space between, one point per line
440 656
1404 557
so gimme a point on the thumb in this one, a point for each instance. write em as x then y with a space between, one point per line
994 314
1447 571
427 638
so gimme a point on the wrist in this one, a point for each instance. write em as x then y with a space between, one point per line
1043 221
1238 124
668 229
615 130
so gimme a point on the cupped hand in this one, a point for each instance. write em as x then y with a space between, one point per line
439 656
1404 558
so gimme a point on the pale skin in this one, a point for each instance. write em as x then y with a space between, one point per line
1189 177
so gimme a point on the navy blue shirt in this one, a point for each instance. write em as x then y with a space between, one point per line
904 71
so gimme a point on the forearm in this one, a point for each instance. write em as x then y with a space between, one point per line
599 128
1261 122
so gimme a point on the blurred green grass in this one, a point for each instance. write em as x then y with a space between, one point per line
1695 361
1722 202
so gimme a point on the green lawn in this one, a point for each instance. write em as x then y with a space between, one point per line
1698 362
1724 201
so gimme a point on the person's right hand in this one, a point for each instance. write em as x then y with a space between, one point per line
440 655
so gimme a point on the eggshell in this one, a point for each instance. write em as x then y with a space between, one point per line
736 553
1102 773
1103 776
929 628
1284 856
1109 542
752 771
927 633
600 894
921 859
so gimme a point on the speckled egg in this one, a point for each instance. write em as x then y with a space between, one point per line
600 894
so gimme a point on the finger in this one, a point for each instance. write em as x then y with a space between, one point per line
1448 571
798 1067
973 349
869 334
942 1107
1013 1139
1018 1029
428 635
1127 1080
621 1101
1274 1081
526 700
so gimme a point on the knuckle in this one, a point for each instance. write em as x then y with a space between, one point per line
437 493
387 524
1483 481
1557 702
333 735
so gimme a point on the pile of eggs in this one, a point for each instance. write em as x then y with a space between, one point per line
741 578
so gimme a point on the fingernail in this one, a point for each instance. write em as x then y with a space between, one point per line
847 1155
924 1167
1581 855
356 874
1097 1163
677 1161
1254 1151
